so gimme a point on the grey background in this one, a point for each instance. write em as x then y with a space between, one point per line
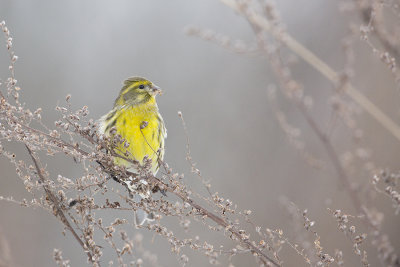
86 48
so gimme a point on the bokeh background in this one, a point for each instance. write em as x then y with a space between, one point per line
86 48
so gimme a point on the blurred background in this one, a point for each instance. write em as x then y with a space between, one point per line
87 48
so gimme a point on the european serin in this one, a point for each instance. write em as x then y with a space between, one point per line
135 117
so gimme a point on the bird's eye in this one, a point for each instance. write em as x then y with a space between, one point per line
141 86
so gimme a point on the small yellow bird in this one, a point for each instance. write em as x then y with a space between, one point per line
135 117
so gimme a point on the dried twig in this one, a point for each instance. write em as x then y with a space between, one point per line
57 210
319 65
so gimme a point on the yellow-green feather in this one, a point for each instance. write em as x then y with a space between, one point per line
127 119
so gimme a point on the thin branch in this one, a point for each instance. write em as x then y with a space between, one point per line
380 33
163 186
216 219
332 155
58 212
203 211
189 156
324 139
323 68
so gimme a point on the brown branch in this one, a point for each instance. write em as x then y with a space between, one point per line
264 258
342 174
379 31
277 65
203 211
332 155
58 212
285 38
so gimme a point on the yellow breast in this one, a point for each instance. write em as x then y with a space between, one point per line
147 141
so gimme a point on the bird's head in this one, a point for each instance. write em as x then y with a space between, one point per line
137 90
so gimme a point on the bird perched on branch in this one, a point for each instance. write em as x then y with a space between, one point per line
136 119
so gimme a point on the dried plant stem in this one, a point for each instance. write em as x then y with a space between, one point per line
220 221
333 157
189 158
58 212
320 66
343 176
380 33
324 139
278 66
204 212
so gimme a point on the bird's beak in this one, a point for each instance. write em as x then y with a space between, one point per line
155 90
